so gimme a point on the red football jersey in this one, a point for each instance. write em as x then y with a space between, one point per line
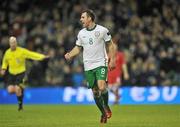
115 74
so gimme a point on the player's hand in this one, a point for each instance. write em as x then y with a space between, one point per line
126 76
67 56
2 72
111 65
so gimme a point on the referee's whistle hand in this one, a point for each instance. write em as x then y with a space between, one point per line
47 56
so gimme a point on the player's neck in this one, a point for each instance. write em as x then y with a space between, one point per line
13 49
91 26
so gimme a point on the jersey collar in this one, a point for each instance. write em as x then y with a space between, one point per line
91 28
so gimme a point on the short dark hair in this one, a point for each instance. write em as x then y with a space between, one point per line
90 13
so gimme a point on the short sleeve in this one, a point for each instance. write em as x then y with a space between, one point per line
107 35
78 40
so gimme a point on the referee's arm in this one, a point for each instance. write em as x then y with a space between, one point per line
4 65
34 55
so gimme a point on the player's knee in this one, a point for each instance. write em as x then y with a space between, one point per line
11 89
18 91
95 93
102 85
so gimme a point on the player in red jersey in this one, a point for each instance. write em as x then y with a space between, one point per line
115 75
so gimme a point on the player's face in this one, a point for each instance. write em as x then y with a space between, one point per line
85 20
12 43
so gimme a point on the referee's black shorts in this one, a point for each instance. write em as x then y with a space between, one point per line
15 79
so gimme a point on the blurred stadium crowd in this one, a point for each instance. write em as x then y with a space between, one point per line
147 31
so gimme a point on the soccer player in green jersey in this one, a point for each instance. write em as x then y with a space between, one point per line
14 60
95 41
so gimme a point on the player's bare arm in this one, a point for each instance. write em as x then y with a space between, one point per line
75 51
111 52
125 72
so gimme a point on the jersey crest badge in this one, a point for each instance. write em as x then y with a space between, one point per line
97 34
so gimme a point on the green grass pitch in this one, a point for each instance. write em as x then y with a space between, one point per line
88 116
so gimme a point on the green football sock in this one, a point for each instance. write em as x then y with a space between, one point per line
105 97
99 103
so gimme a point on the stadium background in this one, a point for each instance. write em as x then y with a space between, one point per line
147 31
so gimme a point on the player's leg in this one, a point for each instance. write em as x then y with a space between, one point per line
116 93
112 89
101 75
11 89
103 90
19 94
20 90
116 89
99 102
105 95
114 83
91 83
10 81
